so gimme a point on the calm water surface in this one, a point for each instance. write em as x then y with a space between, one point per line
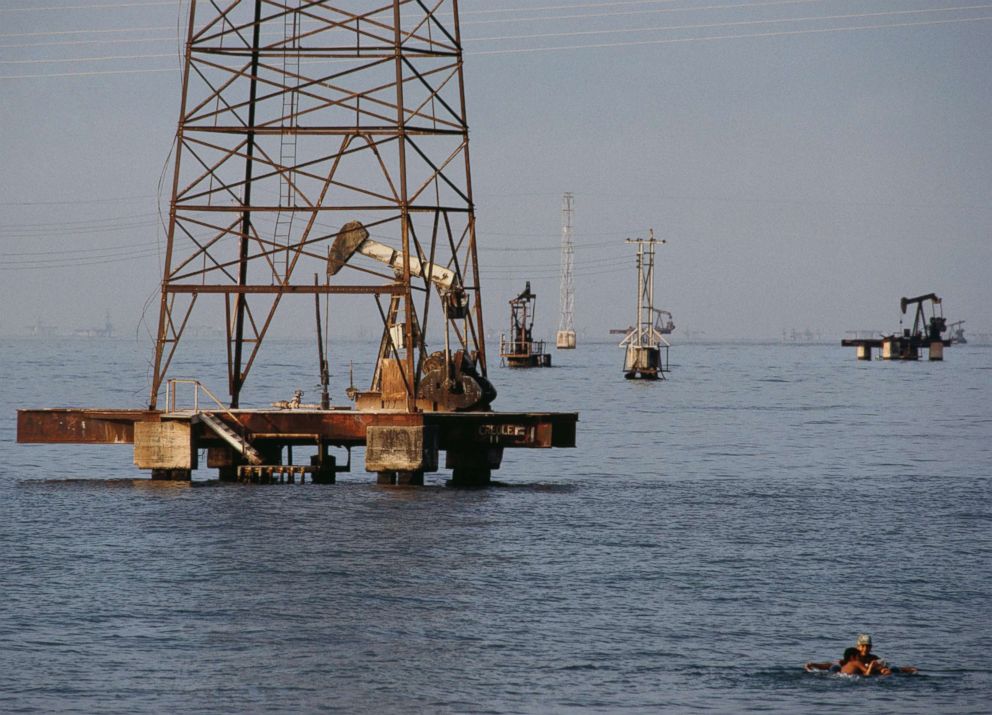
709 535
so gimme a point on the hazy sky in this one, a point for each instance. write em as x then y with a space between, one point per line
808 162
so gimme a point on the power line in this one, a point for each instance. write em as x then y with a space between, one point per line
98 73
107 6
41 232
735 6
77 201
587 16
716 38
77 60
60 33
568 48
76 43
736 23
71 224
546 275
622 260
62 252
42 264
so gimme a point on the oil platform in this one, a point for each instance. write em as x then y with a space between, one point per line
322 156
926 334
520 349
646 356
957 333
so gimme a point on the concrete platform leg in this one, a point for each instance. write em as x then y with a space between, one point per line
400 479
401 454
473 469
864 352
470 477
325 467
172 475
167 449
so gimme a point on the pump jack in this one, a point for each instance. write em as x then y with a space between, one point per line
520 349
926 333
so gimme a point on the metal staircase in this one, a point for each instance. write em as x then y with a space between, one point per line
237 442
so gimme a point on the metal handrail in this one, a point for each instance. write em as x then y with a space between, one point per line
509 347
170 399
170 393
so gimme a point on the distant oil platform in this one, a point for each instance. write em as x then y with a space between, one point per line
926 334
520 349
956 333
39 329
795 336
106 331
664 324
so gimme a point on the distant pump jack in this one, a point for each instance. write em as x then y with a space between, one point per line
521 350
926 333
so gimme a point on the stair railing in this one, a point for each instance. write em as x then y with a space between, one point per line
170 401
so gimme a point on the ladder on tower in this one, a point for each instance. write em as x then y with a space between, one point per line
287 139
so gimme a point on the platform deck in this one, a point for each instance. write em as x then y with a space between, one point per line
342 427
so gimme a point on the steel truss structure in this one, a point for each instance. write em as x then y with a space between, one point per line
299 118
565 338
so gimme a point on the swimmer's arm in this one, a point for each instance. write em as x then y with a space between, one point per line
878 666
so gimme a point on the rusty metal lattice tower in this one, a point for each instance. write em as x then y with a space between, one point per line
318 138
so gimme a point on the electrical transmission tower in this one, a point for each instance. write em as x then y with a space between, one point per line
565 339
317 139
643 358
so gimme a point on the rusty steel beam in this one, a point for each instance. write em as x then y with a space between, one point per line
456 430
238 208
80 426
276 289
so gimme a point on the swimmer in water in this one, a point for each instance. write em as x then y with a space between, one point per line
859 660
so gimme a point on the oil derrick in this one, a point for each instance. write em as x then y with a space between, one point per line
565 339
299 119
321 153
644 341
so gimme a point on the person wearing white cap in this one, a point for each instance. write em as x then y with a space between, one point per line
864 661
859 660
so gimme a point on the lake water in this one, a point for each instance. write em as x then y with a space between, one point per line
709 534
